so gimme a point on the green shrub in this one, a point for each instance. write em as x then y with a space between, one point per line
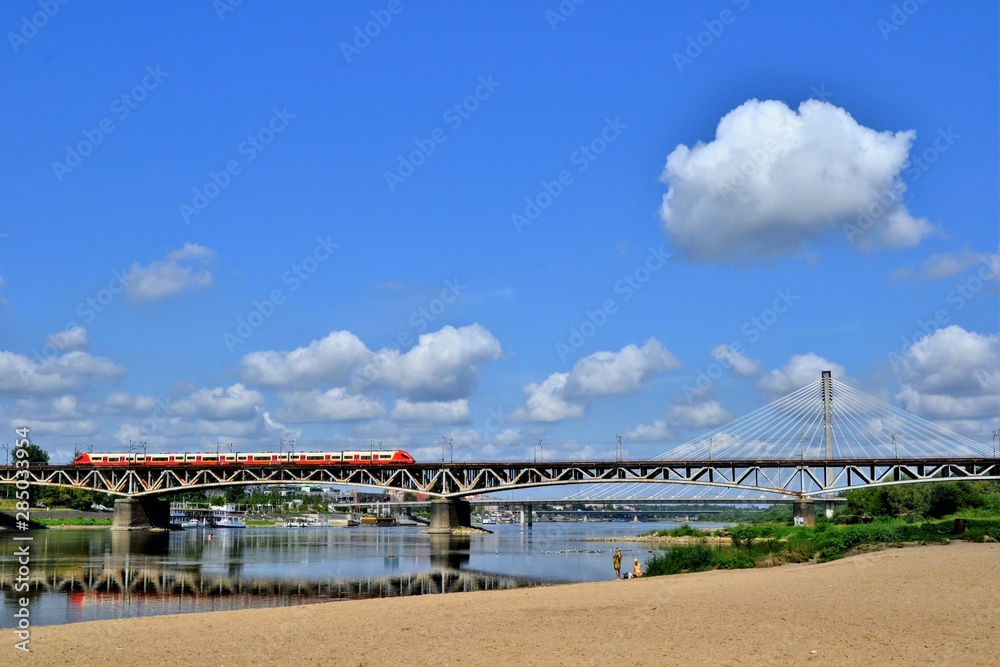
684 530
734 559
684 558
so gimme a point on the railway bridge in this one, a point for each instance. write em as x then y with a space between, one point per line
814 443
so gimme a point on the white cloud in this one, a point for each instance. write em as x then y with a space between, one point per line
443 365
946 264
480 445
73 339
547 401
120 402
58 415
260 431
735 361
335 405
657 430
432 412
567 395
179 271
801 370
73 371
951 374
620 373
327 361
61 427
220 404
698 415
774 179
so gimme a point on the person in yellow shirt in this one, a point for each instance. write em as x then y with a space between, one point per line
636 568
616 560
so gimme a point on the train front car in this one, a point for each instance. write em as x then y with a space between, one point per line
402 456
83 459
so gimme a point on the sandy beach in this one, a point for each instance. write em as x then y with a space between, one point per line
905 606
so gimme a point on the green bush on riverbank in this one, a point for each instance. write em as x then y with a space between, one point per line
753 546
75 521
893 515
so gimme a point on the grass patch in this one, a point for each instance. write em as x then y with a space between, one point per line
75 521
767 545
681 531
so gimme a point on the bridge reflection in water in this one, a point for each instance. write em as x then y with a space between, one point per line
132 573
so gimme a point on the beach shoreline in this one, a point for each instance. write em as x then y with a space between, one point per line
915 605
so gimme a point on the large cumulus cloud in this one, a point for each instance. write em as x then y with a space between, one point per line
951 374
774 179
564 396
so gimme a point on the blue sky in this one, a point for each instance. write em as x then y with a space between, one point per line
338 223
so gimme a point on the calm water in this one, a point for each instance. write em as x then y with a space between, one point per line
82 575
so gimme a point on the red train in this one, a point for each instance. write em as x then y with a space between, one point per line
211 459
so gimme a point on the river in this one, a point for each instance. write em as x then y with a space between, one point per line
90 574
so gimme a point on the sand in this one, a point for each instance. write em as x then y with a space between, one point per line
911 606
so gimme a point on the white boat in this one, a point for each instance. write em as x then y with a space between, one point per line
227 516
230 521
191 523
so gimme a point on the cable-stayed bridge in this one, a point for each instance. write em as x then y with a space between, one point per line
826 436
819 440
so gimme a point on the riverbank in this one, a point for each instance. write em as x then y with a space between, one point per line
664 539
919 605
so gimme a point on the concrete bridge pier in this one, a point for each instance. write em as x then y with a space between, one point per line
526 515
449 515
141 514
804 512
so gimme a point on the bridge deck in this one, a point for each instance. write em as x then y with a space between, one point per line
786 477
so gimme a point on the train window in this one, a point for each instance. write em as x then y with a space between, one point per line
385 456
315 457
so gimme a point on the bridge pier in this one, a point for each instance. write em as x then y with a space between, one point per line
804 512
141 514
449 515
526 515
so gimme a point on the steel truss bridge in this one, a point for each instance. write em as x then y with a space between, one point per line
775 479
819 440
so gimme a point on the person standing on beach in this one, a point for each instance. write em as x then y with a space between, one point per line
617 560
